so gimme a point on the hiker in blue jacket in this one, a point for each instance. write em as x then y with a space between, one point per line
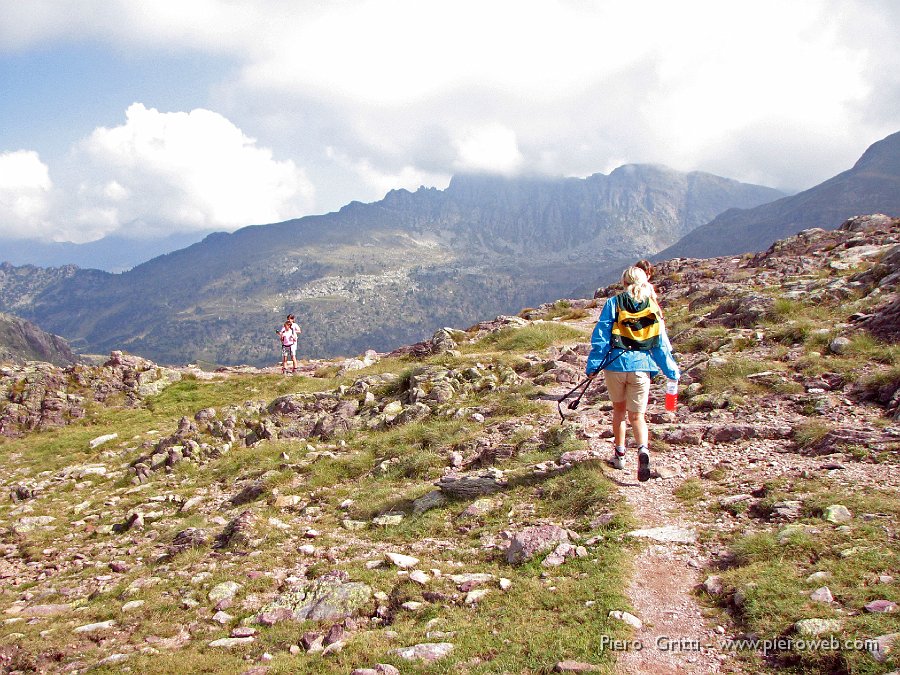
630 346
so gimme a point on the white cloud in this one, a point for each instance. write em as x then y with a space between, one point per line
155 175
381 182
489 149
165 172
25 193
409 91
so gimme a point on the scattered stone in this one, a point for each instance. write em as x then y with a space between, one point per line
788 532
94 627
470 580
388 519
237 533
881 607
222 617
814 627
349 524
663 473
312 642
100 440
626 617
274 616
575 667
786 510
420 577
430 500
425 651
472 597
402 561
479 508
224 591
822 594
714 585
816 577
839 345
837 513
334 634
472 486
884 646
331 597
505 584
231 642
113 659
333 648
534 540
379 669
30 523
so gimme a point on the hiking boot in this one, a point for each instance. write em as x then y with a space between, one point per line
617 461
643 464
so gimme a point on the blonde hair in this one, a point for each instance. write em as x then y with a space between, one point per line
634 279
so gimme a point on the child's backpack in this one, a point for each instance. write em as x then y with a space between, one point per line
287 337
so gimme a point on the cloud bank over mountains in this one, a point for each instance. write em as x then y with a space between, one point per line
324 103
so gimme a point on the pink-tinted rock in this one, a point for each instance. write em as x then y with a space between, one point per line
534 540
881 607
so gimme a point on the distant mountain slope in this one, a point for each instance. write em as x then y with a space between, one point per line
376 275
871 186
21 340
112 254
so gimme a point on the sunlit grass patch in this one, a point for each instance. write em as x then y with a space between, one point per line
533 337
769 581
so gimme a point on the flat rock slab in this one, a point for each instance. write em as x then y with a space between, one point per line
93 627
231 642
575 667
667 534
426 651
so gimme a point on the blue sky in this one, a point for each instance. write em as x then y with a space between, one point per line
146 119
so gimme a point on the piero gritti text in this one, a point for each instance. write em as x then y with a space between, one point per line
665 643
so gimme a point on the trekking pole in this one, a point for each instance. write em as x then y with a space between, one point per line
607 360
573 404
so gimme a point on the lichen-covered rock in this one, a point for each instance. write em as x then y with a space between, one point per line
473 485
331 597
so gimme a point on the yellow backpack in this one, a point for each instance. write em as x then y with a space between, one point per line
637 325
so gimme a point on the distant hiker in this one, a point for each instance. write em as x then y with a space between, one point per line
630 346
648 268
288 334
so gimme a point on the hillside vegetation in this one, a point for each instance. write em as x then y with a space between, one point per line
427 511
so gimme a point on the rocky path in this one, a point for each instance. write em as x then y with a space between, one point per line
673 636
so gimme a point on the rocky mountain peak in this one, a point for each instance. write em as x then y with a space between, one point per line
883 156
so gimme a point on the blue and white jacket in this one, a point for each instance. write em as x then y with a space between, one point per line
658 358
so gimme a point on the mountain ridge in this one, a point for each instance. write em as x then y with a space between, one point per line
380 274
871 185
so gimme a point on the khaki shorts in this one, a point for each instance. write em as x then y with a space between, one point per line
633 388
